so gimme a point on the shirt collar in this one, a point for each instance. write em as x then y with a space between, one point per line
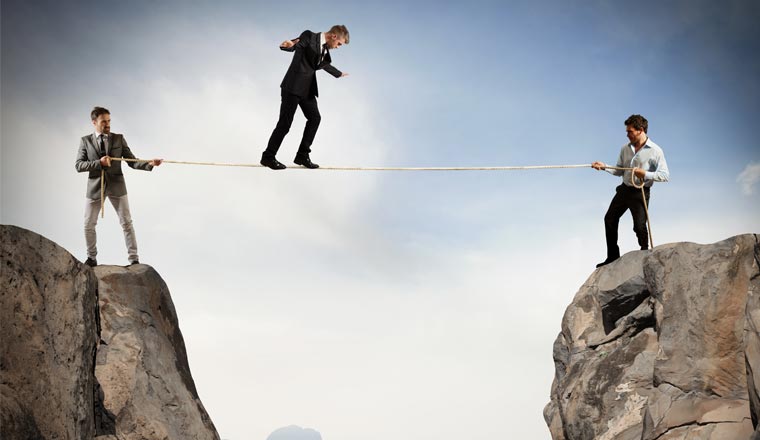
648 143
98 134
322 39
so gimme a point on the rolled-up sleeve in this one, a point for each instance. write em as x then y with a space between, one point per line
661 172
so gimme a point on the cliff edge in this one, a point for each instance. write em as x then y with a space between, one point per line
90 353
662 345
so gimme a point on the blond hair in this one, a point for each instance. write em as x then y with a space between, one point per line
339 30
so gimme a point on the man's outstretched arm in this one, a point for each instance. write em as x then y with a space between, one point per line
141 165
289 45
295 43
329 68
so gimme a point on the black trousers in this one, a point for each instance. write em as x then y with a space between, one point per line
290 103
626 197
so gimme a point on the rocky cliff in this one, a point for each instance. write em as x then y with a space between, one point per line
90 353
663 345
142 369
48 338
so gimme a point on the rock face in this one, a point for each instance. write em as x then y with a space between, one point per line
147 390
88 353
663 345
48 336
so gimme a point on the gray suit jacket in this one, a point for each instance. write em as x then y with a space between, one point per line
88 160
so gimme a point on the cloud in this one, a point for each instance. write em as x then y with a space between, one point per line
749 177
373 289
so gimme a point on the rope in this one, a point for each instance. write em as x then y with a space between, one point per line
646 208
323 168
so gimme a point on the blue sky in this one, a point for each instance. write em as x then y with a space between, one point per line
381 305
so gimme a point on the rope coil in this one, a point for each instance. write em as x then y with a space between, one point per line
328 168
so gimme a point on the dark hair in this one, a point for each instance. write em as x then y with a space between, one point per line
638 122
341 31
97 111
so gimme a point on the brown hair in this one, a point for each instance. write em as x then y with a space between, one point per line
97 111
340 30
638 122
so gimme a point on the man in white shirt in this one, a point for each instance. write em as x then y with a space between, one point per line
648 163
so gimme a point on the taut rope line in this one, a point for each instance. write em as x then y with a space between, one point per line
324 168
506 168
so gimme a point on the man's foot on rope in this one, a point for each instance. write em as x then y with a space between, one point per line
304 160
91 262
272 163
607 261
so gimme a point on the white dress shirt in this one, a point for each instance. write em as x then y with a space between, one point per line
650 158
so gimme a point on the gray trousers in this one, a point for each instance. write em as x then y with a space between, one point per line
91 212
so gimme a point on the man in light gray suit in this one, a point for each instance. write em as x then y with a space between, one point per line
95 152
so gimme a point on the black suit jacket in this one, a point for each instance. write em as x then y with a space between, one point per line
301 77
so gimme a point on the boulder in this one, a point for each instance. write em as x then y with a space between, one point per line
146 389
90 353
48 337
662 345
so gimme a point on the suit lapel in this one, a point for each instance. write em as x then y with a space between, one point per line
318 48
94 144
96 148
327 59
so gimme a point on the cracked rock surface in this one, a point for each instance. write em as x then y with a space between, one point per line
662 345
147 391
90 353
48 335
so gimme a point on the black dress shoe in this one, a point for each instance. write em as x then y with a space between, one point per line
272 163
607 261
133 262
91 262
305 161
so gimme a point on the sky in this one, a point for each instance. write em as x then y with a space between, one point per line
377 305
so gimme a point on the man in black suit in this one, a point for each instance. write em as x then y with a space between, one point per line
299 89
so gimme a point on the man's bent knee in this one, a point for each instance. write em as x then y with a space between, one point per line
284 127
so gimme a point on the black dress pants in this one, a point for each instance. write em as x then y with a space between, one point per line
290 103
626 197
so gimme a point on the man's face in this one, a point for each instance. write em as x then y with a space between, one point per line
634 135
103 124
334 41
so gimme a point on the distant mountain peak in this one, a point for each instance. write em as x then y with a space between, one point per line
294 432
